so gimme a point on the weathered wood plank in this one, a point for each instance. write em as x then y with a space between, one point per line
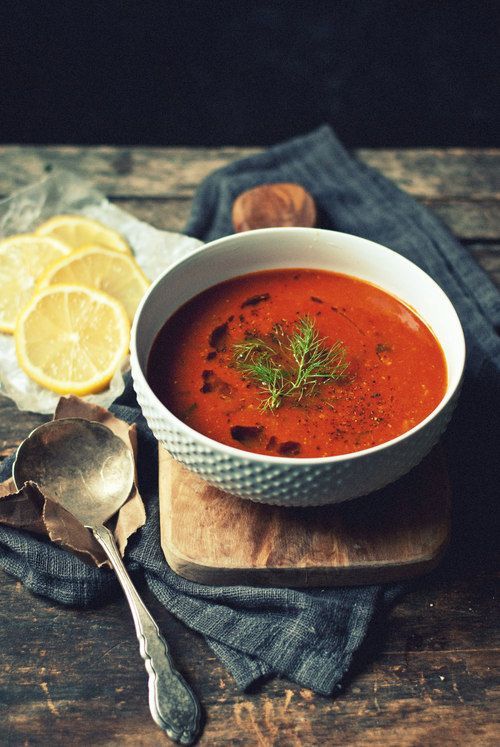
473 221
77 675
15 425
439 172
176 172
119 172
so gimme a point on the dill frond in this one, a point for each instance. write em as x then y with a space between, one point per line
290 365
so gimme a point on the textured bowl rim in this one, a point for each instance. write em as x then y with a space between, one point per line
137 372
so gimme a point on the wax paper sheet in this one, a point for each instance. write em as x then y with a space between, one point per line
66 192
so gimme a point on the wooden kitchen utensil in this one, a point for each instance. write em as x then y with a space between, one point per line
271 205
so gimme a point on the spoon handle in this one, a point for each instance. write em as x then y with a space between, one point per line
173 705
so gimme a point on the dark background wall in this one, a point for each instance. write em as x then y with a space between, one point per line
181 72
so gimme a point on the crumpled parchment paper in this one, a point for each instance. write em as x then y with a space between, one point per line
65 192
30 510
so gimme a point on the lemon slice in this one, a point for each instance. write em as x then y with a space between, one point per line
76 231
103 269
72 339
22 259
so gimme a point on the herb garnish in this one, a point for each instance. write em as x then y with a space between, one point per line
290 365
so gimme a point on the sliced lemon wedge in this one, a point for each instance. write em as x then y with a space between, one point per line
72 339
22 259
77 230
103 269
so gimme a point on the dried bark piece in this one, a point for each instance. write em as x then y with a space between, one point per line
31 511
22 509
268 205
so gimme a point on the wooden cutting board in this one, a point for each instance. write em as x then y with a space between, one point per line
215 538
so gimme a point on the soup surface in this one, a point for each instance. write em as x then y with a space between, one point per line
303 363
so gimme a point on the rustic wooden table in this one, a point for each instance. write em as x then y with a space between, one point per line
74 677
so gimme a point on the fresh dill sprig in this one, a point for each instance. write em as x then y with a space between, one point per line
290 365
315 361
252 346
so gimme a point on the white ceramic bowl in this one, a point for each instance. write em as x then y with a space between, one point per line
283 480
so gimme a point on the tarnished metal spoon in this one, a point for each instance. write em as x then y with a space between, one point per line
89 471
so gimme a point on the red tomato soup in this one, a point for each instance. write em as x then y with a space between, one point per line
302 363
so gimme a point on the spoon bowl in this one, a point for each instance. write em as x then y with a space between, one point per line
80 464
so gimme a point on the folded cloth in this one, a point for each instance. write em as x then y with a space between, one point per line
309 636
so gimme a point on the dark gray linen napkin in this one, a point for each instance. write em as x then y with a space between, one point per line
309 636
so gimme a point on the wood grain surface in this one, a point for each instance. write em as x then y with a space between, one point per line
432 173
428 677
214 538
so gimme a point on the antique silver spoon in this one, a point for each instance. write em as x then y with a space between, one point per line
89 471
